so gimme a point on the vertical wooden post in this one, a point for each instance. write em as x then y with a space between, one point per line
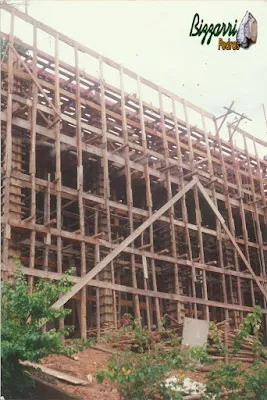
218 225
231 226
171 211
8 150
32 166
241 208
128 190
79 136
148 196
47 211
181 186
226 331
106 179
145 279
198 221
97 260
58 165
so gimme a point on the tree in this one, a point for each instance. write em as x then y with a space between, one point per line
22 339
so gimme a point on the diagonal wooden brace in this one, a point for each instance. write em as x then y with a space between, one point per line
35 80
231 237
100 266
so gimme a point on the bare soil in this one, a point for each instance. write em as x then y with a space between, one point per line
89 362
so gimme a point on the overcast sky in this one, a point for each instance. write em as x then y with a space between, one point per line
152 39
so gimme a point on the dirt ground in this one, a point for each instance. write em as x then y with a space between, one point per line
89 361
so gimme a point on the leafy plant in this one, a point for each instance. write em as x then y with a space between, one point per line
240 383
141 375
250 328
214 335
224 377
23 311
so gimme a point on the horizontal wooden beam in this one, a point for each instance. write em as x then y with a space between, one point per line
128 289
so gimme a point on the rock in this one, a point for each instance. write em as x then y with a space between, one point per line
89 378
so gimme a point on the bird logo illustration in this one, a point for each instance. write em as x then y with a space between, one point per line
247 31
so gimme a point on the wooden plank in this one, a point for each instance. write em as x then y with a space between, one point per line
57 374
99 267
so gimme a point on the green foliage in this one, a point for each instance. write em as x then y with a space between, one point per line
141 375
240 383
22 314
214 334
255 382
224 377
134 330
250 326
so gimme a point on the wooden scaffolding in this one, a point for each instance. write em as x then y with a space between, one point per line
156 214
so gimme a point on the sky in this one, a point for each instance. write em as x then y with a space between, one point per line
152 39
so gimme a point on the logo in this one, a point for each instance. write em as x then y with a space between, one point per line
243 37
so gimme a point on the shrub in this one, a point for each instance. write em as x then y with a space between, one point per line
141 375
23 311
240 383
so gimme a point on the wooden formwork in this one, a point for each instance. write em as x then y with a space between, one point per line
157 214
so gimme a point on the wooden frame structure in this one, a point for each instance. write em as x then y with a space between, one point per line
91 178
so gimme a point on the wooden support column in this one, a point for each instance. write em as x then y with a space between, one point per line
149 199
168 186
8 153
58 164
79 134
218 226
97 260
181 186
109 307
198 216
232 229
32 165
128 190
47 212
238 178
